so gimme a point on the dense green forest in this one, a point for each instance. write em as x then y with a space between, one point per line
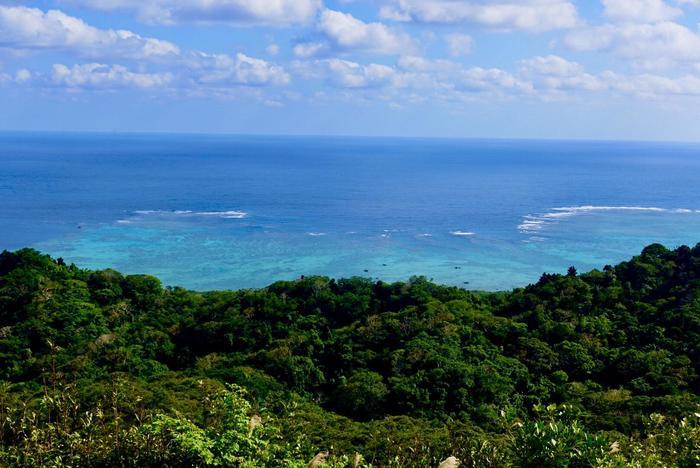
597 369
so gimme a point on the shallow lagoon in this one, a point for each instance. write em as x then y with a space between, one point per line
229 212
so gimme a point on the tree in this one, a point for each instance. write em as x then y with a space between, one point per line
361 395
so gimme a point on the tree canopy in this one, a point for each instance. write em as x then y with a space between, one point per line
404 373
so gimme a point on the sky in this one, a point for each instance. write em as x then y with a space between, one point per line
581 69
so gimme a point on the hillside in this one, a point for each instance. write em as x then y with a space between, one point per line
102 369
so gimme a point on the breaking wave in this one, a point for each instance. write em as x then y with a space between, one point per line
534 223
462 233
232 214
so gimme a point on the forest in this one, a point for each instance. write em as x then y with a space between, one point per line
602 368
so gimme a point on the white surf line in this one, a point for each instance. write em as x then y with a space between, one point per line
230 214
462 233
534 223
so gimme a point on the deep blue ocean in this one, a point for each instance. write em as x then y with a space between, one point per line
210 212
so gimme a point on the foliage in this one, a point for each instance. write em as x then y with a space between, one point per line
99 368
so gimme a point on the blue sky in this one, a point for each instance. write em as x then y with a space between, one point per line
608 69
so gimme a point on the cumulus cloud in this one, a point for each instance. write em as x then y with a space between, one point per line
412 76
346 31
542 77
220 69
551 65
353 75
237 12
640 31
650 86
556 74
199 74
640 11
650 45
342 32
272 49
23 75
26 29
348 74
442 79
528 15
101 76
310 49
30 29
449 75
459 44
490 79
417 63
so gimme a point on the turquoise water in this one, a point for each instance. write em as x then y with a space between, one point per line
211 212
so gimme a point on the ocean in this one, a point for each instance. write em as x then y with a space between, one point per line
230 212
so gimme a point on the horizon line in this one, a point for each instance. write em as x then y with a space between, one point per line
349 136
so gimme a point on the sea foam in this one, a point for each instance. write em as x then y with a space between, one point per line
231 214
462 233
534 223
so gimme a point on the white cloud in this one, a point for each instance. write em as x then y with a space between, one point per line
556 74
439 80
459 44
553 76
237 12
30 29
446 75
543 77
550 65
100 76
310 49
528 15
417 63
347 32
649 45
348 74
26 29
644 36
202 74
342 32
352 75
490 79
654 86
220 69
272 49
23 75
640 11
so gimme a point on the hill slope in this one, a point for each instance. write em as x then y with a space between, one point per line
404 373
